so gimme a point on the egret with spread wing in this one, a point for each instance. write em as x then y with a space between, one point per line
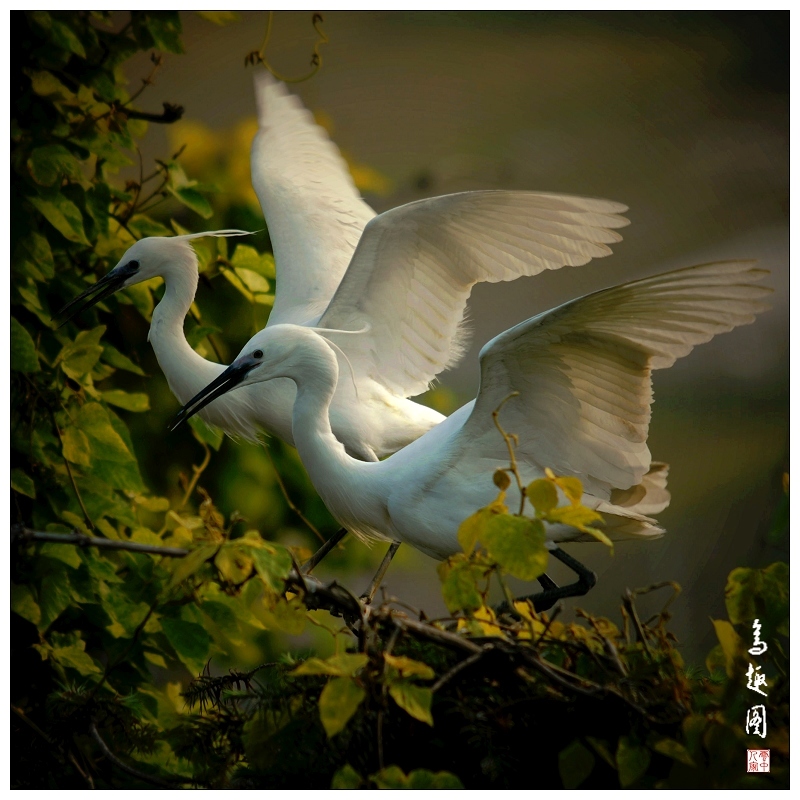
401 278
582 374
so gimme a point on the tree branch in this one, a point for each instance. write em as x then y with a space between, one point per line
171 113
19 533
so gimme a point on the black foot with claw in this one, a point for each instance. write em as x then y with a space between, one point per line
552 593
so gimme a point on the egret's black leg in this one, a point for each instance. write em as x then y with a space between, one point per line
586 580
369 593
551 591
323 551
547 583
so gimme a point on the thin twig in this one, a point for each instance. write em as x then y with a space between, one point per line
156 781
288 499
28 721
510 438
86 516
198 471
458 667
258 57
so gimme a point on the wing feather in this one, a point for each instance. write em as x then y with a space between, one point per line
415 266
583 371
313 210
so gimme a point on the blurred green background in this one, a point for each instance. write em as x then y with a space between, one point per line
682 116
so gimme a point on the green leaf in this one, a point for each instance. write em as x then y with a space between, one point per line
273 565
113 357
188 565
674 750
459 585
130 401
390 778
579 517
154 504
190 641
220 18
338 702
394 778
205 433
106 443
425 779
66 553
45 84
143 226
470 530
407 667
413 699
233 563
575 762
24 604
62 214
192 199
55 594
21 483
248 257
346 778
23 350
165 28
344 665
253 281
51 163
288 616
633 759
543 495
759 593
517 545
141 298
35 249
75 657
198 333
731 644
78 360
75 446
155 658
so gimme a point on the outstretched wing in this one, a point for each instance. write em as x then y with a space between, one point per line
583 370
415 265
313 210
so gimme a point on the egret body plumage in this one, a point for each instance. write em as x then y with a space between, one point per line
402 278
582 372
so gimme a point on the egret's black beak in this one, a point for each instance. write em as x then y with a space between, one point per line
105 287
229 379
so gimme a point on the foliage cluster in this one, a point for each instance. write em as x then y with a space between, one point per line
117 654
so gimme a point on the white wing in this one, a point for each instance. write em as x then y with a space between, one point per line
314 213
583 370
415 266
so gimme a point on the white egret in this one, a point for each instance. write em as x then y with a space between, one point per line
583 374
407 281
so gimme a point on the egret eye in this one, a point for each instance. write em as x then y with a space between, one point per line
132 265
258 354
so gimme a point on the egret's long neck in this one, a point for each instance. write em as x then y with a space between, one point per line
341 480
186 371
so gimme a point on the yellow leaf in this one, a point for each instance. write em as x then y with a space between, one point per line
731 644
572 488
543 495
338 702
233 564
407 667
